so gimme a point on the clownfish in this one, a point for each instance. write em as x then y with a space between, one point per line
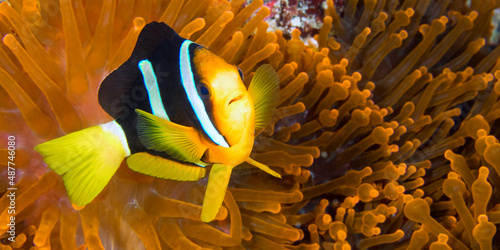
177 108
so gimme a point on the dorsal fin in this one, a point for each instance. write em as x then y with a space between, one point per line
115 90
153 35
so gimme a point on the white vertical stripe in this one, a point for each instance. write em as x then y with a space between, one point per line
194 98
115 129
153 90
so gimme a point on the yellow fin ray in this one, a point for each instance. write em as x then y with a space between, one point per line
263 167
264 90
156 166
86 160
216 190
181 142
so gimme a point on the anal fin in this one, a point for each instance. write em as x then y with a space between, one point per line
156 166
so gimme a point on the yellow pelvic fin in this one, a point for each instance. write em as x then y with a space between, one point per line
264 90
216 190
263 167
156 166
181 142
86 159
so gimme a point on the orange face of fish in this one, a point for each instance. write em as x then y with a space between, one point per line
233 109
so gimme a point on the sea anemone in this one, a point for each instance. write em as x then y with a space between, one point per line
385 134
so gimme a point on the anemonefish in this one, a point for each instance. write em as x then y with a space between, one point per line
178 108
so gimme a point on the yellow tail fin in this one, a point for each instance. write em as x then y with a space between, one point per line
216 190
86 159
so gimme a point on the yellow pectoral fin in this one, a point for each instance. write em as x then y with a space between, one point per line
86 160
181 142
216 190
156 166
264 90
263 167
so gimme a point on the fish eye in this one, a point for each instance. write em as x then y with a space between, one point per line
204 90
241 73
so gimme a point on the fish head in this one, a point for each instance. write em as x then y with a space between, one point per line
232 108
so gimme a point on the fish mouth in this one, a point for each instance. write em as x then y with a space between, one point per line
235 99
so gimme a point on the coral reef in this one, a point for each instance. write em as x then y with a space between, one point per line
304 15
386 130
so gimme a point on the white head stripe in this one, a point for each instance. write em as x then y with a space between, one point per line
194 98
153 90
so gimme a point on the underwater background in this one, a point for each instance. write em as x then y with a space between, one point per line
385 134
